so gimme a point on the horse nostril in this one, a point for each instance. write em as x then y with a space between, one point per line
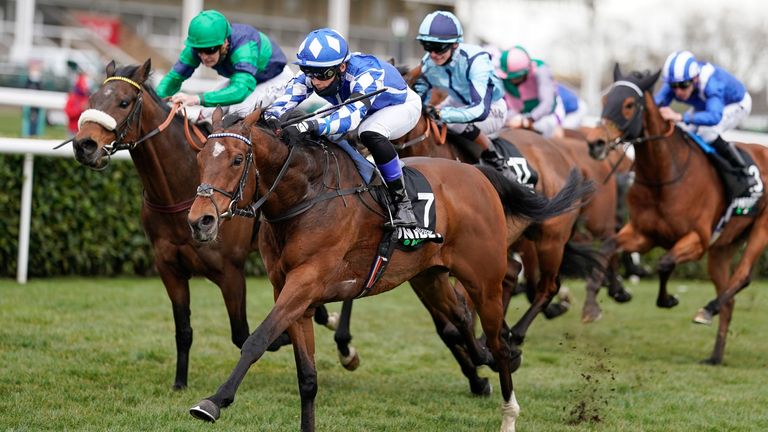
86 145
206 221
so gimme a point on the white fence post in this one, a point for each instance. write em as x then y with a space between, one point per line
25 218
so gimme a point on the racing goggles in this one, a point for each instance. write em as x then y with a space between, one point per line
681 85
436 47
320 73
209 50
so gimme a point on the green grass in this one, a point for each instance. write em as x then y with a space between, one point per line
98 354
10 125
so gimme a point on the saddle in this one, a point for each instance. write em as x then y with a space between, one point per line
526 174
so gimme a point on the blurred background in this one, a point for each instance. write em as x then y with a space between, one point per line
579 39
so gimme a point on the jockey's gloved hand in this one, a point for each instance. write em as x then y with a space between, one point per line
296 133
432 112
185 99
273 123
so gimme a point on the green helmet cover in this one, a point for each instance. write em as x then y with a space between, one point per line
208 29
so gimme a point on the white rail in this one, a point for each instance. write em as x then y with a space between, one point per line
29 148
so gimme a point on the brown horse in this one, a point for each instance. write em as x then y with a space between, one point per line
677 198
543 256
124 110
311 194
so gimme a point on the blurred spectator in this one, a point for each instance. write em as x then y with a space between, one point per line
33 117
77 99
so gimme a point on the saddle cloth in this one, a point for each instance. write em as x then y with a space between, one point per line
526 174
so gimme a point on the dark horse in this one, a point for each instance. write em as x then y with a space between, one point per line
321 233
677 198
123 111
544 255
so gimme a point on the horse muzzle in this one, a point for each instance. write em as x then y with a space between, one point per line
598 149
89 153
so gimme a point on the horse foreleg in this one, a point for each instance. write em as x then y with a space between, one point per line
303 338
233 290
348 356
689 248
177 287
300 291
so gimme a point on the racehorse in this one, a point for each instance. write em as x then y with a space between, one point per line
322 229
678 198
543 258
124 114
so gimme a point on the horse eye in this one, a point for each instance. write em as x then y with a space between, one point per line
630 105
238 160
124 104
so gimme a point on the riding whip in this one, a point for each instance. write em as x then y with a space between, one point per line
335 107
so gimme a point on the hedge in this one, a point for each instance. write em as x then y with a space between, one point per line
84 222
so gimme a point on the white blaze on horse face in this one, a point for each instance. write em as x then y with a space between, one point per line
217 149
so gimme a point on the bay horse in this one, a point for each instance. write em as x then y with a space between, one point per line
543 256
321 231
678 198
123 111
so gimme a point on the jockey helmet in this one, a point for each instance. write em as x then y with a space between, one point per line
209 28
513 63
322 48
440 26
680 66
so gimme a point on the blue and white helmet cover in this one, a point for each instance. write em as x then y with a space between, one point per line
322 48
440 26
680 66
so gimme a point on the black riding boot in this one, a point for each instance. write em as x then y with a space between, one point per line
729 151
403 216
491 158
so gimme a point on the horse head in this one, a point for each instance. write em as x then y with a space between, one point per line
113 116
627 105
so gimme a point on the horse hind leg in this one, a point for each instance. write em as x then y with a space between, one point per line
348 356
453 323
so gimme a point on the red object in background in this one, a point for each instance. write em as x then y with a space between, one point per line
77 101
108 27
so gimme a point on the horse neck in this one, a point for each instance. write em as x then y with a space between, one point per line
166 163
660 160
430 146
299 182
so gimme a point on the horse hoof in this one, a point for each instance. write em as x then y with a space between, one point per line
350 362
206 411
516 359
703 316
333 321
621 296
281 340
481 387
591 314
179 386
668 302
711 361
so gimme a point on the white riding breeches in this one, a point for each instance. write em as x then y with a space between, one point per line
733 114
394 121
490 126
265 93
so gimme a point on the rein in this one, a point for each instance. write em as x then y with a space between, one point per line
252 210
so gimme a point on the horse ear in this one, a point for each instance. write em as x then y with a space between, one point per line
650 80
218 115
143 72
617 72
252 118
110 69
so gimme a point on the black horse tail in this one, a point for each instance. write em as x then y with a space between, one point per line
520 200
582 260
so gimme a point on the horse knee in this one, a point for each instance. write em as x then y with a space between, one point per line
666 264
308 386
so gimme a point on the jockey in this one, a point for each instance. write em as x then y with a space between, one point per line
531 93
719 101
575 108
475 107
335 74
254 64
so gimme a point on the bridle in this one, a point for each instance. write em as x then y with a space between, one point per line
439 130
206 190
122 129
631 124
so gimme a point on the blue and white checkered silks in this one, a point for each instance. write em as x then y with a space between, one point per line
680 66
440 26
364 75
322 48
